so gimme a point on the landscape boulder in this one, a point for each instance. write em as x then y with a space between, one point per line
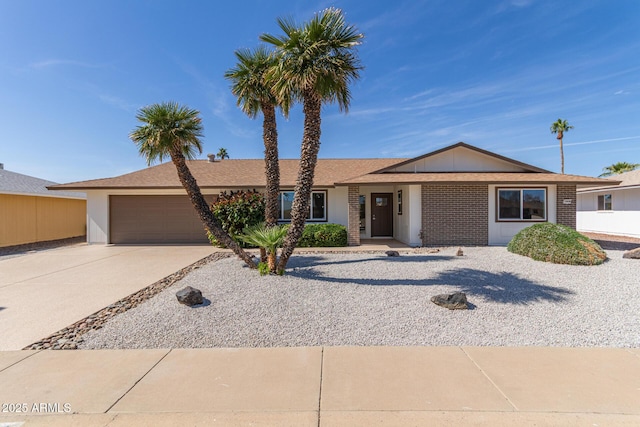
189 296
455 301
392 253
632 254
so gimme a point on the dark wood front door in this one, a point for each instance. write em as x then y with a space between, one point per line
381 214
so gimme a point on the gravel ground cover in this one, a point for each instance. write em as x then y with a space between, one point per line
372 299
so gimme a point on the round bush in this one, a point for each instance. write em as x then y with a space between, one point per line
557 244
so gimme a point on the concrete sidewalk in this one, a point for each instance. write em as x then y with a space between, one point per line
43 292
326 386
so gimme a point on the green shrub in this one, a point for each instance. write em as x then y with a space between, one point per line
237 211
323 235
557 244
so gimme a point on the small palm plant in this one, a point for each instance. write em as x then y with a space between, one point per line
269 238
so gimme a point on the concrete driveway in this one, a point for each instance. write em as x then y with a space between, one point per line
43 292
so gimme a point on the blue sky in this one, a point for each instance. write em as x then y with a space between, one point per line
494 74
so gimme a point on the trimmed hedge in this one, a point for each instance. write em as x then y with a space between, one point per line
557 244
323 235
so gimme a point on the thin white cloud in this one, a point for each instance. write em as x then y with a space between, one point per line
570 144
62 62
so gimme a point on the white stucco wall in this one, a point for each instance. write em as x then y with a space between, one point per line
500 233
623 219
337 205
97 216
98 208
407 226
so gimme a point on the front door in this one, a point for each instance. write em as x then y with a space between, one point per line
382 214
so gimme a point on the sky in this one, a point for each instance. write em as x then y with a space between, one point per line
494 74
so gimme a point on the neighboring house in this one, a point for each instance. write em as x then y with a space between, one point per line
613 209
30 213
459 195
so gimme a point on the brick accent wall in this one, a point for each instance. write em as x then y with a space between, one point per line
566 214
455 214
353 229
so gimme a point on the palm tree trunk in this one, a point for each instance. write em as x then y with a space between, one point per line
306 170
271 261
204 212
559 137
561 158
272 165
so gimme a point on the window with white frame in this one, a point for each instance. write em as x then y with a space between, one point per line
522 204
317 206
605 202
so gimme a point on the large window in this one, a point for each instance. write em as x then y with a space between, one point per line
317 206
605 202
522 204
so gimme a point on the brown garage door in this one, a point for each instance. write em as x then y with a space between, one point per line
154 219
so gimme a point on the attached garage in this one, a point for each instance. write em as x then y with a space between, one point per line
154 219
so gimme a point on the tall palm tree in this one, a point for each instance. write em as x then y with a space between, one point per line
254 95
560 127
618 168
317 62
174 131
222 154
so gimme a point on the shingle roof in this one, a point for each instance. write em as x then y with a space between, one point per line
17 183
627 179
233 173
469 177
249 173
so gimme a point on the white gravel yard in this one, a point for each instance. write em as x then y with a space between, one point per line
372 299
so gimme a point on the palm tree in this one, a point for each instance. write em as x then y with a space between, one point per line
174 131
222 154
254 95
560 127
268 237
618 168
317 61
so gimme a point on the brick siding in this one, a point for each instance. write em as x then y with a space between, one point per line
455 214
566 213
353 230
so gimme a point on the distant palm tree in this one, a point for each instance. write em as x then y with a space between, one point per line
317 61
174 131
618 168
222 154
560 127
254 93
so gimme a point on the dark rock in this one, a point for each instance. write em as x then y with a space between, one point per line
632 254
392 253
455 301
189 296
459 253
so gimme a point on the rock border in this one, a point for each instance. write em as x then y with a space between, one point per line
69 337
